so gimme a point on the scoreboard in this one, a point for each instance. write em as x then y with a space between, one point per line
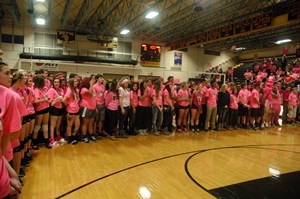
150 55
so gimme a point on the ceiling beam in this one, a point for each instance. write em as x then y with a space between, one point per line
83 12
13 8
31 12
66 12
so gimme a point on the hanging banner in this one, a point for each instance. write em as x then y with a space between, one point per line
178 59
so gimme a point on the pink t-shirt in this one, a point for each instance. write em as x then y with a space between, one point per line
268 92
54 94
293 100
184 95
243 96
146 101
88 100
20 104
111 101
99 90
197 98
234 102
125 94
134 98
212 95
73 102
166 95
4 177
203 92
31 100
253 98
10 116
39 94
158 98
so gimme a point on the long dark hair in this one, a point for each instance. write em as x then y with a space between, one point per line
85 83
135 83
72 87
142 88
157 87
39 82
113 87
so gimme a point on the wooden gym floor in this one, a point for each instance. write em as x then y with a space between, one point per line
226 164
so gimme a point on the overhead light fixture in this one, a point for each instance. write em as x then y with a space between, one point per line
151 15
40 20
40 1
240 48
125 31
283 41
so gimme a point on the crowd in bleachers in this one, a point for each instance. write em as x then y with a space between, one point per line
85 109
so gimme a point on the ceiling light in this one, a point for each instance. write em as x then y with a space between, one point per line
124 32
40 1
40 21
151 15
283 41
240 48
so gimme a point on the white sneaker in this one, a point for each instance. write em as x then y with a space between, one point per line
145 132
267 124
262 125
62 140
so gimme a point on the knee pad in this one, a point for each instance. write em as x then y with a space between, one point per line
26 140
17 149
22 145
37 128
45 128
29 137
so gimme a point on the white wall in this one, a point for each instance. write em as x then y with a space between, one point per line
193 61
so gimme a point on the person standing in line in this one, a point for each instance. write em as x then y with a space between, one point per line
255 107
143 108
233 111
42 112
87 109
196 108
157 108
168 108
293 104
99 89
111 104
71 100
212 96
10 125
124 106
134 104
243 105
56 95
223 104
183 100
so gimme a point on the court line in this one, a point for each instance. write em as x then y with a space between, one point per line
162 158
252 147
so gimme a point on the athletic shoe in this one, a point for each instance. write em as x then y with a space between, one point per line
156 133
85 140
93 138
145 132
53 143
74 142
112 137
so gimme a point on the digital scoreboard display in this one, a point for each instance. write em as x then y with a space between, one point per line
150 55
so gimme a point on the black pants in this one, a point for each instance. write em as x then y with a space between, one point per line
222 115
143 116
131 120
203 116
111 121
123 119
233 117
168 118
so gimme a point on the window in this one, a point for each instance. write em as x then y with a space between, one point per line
46 44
